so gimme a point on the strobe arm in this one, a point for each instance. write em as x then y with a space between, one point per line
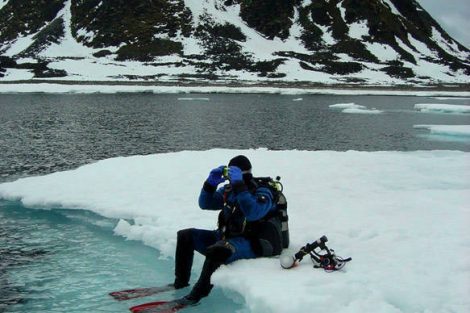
289 261
310 247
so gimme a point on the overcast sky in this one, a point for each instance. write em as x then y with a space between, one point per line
453 16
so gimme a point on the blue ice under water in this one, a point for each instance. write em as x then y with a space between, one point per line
60 260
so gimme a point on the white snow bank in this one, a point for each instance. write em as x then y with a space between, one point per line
452 130
442 108
109 89
354 108
402 216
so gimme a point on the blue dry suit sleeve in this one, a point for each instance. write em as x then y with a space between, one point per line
211 200
255 206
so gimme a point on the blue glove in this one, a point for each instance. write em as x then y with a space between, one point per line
235 175
216 176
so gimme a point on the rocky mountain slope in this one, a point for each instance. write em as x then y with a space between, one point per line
385 42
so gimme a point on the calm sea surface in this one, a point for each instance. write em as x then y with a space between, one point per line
62 260
43 133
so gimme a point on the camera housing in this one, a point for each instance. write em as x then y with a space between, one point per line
225 172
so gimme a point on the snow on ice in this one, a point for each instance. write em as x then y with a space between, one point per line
402 216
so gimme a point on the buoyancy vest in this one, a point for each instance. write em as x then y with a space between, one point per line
268 235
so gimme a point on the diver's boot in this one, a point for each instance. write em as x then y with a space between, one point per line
216 255
203 286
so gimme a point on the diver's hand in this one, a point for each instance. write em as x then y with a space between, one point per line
235 175
216 176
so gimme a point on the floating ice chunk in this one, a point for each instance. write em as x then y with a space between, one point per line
193 99
452 98
347 106
453 130
442 108
354 108
362 111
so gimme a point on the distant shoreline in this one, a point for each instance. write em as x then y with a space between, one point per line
284 88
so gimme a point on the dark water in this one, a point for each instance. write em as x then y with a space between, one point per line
43 133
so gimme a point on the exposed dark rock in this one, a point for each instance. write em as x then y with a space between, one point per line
7 62
311 35
225 52
121 21
199 76
272 18
227 31
46 72
355 49
267 68
342 68
102 53
41 70
147 51
399 71
24 17
140 77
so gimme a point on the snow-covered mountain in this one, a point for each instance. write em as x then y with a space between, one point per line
385 42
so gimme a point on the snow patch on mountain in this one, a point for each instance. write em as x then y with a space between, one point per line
383 52
450 47
68 46
327 35
358 30
392 7
421 48
18 45
342 10
3 3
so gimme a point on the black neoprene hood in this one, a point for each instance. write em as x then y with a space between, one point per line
241 162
